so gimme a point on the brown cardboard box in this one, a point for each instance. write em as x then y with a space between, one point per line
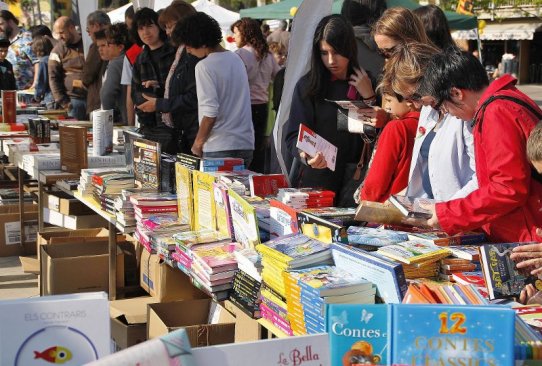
165 283
193 316
77 268
71 236
129 321
71 221
246 328
10 240
65 204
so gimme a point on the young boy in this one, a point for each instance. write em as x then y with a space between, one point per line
534 147
7 79
391 164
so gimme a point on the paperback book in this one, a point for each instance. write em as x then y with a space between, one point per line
146 157
311 143
185 190
244 220
411 252
204 201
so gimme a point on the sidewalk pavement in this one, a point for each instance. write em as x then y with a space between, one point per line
14 283
534 91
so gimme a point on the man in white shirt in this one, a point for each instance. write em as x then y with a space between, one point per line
225 119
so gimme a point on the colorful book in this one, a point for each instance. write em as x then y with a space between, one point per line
468 252
328 281
146 156
374 236
444 335
358 334
387 275
469 278
224 223
503 279
311 143
215 257
204 201
321 229
411 252
283 219
185 191
244 220
442 239
267 185
295 250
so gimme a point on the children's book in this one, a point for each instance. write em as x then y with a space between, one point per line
374 236
204 201
311 143
469 278
358 334
295 250
451 335
215 257
185 190
224 223
387 275
411 252
64 329
244 220
503 279
411 207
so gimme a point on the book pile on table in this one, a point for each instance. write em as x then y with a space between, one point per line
125 210
284 254
221 164
309 290
86 186
247 282
301 198
9 196
67 184
239 181
112 182
431 292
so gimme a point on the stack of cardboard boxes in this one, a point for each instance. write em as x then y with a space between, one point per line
62 209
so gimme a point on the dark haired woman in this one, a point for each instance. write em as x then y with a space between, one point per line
149 76
436 25
261 69
334 70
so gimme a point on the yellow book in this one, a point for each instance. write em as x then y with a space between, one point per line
411 252
204 201
244 220
185 190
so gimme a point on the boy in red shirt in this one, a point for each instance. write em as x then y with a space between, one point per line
391 164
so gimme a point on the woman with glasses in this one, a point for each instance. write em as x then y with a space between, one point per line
334 75
442 166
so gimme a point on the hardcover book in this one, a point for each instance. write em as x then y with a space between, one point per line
358 334
503 279
244 220
146 157
73 149
412 207
204 201
444 335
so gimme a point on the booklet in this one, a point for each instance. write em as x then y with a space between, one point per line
311 143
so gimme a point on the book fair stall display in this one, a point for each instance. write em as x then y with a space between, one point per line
194 261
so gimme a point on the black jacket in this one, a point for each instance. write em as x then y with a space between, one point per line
182 101
7 79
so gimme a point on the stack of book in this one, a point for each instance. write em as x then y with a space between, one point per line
434 293
371 239
247 282
286 253
475 279
221 164
67 185
163 243
125 210
239 181
86 186
442 239
308 290
302 198
9 196
450 266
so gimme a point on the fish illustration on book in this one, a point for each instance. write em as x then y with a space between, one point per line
55 354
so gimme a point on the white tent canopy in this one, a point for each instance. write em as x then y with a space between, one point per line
223 16
501 31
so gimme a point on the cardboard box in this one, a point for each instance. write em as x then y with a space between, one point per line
165 283
129 321
10 232
77 268
246 328
71 236
65 204
194 316
72 222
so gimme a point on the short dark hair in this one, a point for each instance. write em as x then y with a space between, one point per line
436 25
146 16
118 34
198 30
42 45
360 12
8 15
4 43
100 34
41 30
452 68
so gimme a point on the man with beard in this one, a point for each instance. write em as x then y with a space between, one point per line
25 63
66 63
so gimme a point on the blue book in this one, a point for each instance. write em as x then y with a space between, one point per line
451 335
374 236
358 334
387 275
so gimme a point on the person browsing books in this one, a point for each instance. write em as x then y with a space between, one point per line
7 79
507 204
334 71
389 170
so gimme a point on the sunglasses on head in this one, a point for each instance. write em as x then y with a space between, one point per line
386 52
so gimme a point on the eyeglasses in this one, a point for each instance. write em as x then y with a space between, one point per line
386 52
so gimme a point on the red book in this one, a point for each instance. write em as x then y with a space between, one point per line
155 209
469 278
267 185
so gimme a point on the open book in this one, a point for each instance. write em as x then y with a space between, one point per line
412 207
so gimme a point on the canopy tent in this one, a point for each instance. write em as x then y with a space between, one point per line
502 31
223 16
281 10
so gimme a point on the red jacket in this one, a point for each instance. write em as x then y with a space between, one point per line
391 164
507 204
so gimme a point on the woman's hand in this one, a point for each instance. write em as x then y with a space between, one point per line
149 105
316 162
150 84
374 116
361 81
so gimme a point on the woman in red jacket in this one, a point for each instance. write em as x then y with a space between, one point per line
507 204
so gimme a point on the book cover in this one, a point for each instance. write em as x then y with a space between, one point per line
411 252
411 207
146 163
244 220
294 249
382 213
358 334
388 276
283 219
9 106
102 132
503 279
167 173
374 236
204 201
467 252
321 229
190 161
444 335
129 137
311 143
185 189
224 222
267 185
73 149
215 257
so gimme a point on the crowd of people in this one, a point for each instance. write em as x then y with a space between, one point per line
435 126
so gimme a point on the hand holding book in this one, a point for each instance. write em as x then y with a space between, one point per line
529 256
317 161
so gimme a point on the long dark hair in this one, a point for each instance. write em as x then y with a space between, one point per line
252 35
436 25
338 33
